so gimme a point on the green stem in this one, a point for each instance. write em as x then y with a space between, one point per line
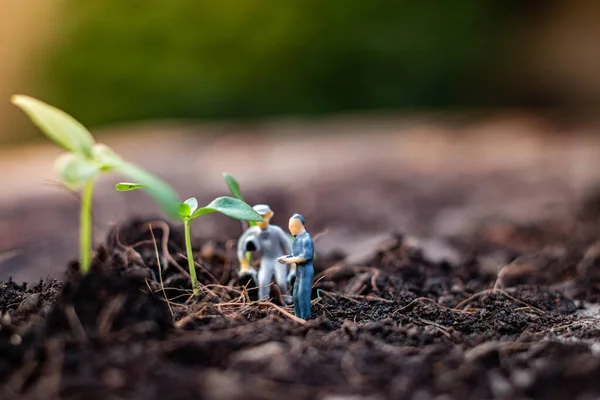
85 228
190 257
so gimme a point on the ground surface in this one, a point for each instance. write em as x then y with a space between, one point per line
461 268
398 325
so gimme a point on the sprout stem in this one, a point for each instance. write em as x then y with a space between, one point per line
190 257
85 230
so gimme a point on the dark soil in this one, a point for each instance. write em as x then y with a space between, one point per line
399 326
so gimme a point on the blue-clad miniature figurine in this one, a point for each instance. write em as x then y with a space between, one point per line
302 255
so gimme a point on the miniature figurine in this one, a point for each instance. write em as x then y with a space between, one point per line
302 256
271 242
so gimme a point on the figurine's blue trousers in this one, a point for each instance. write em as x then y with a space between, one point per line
303 289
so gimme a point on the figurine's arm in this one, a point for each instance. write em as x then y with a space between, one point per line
284 240
291 259
286 246
305 256
241 250
308 249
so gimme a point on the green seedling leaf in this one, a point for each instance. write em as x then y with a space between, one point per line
185 211
231 207
75 170
187 208
105 156
233 185
192 203
59 126
126 187
202 211
234 188
164 195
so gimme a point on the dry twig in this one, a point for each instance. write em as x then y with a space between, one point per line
162 285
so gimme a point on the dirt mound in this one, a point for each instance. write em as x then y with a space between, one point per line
398 326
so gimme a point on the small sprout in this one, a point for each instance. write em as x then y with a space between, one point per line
234 188
187 208
189 211
233 185
125 187
234 208
59 126
74 169
84 161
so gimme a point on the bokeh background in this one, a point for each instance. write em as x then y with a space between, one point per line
369 117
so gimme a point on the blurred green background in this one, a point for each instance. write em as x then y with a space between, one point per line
123 60
110 61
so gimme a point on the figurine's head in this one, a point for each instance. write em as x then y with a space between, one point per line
266 213
296 224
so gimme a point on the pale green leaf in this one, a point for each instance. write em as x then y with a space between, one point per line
59 126
233 185
75 170
234 188
192 203
127 186
203 211
185 211
105 156
164 195
231 207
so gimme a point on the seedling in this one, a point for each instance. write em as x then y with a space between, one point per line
234 188
189 211
84 161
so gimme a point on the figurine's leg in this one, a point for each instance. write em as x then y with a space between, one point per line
265 275
296 294
305 292
281 277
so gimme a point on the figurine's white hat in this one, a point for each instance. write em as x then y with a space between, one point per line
262 209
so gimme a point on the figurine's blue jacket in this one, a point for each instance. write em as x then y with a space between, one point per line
303 247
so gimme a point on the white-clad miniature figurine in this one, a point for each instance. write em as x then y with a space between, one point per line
270 242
